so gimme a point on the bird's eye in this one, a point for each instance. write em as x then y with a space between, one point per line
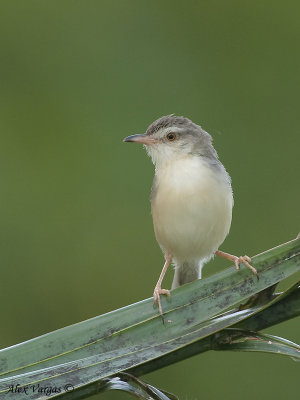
171 136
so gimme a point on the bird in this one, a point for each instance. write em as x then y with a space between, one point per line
191 199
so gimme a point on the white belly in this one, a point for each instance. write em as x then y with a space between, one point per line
191 208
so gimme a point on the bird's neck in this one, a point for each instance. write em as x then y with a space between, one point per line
163 163
190 170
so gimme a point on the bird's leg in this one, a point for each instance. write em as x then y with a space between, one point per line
158 290
237 260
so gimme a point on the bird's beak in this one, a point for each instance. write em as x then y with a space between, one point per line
145 139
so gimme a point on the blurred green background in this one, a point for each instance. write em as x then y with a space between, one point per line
76 236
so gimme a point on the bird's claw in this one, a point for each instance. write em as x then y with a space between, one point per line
156 295
245 260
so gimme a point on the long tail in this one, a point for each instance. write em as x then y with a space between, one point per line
186 272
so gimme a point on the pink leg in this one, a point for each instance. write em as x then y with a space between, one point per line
158 290
237 260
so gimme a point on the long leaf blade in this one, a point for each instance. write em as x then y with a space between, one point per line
134 336
240 340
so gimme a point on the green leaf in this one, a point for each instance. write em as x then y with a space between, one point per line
131 385
281 307
136 339
240 340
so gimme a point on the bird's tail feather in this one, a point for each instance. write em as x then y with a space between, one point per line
186 272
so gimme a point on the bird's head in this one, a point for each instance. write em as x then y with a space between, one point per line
171 137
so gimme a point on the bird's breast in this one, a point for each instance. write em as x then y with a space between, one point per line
191 207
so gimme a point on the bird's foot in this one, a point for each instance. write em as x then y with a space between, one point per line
238 260
244 260
156 295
